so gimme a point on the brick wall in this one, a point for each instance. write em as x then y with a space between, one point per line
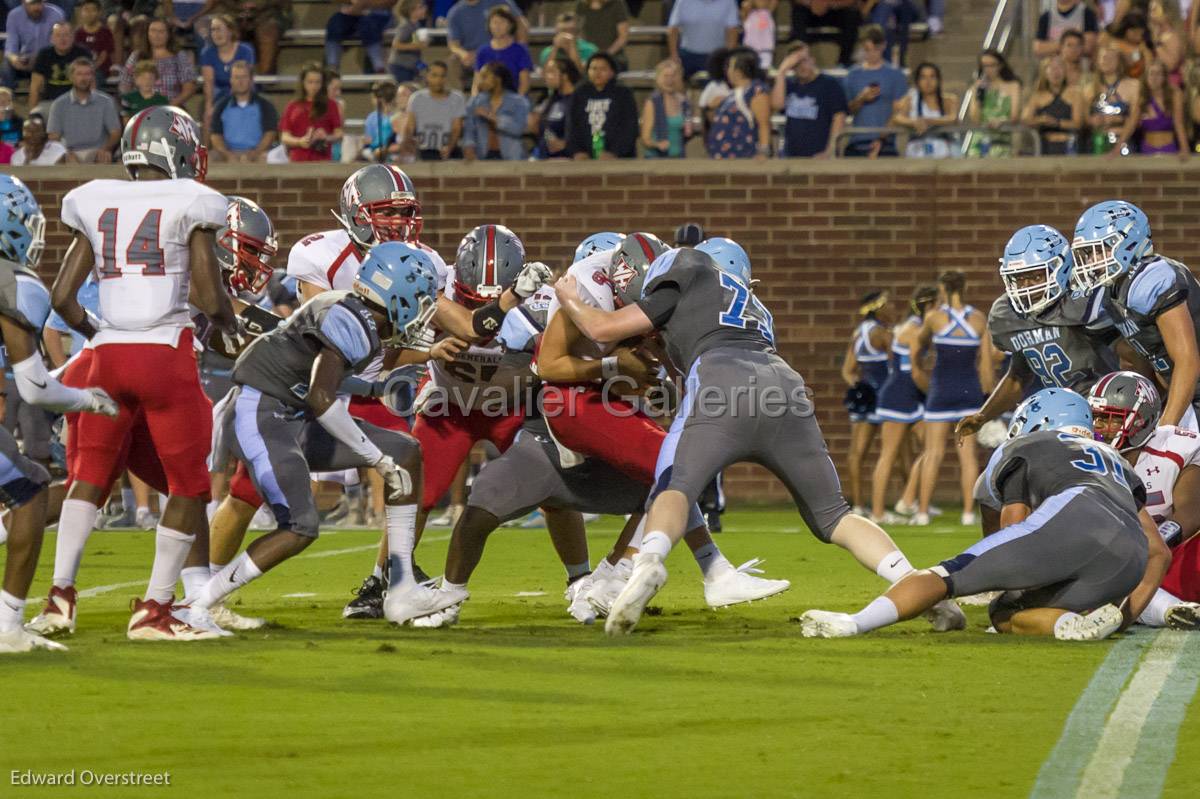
820 234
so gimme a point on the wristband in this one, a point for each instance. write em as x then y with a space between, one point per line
1170 531
609 368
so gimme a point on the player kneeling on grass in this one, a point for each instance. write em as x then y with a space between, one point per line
1075 542
742 402
1126 408
283 420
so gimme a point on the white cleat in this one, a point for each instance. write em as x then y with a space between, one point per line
827 624
919 520
577 603
22 640
224 617
606 588
443 618
263 518
58 616
156 621
946 616
199 619
905 509
979 600
735 586
1183 616
648 578
405 603
860 510
145 519
1095 626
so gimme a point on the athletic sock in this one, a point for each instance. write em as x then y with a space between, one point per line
639 532
577 570
75 523
449 586
211 508
12 612
195 578
880 613
710 560
240 571
171 549
214 568
656 543
377 572
893 566
401 525
1155 614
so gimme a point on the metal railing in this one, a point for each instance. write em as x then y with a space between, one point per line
953 141
1006 27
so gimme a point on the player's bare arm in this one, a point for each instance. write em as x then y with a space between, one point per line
1004 397
601 326
1157 563
209 290
75 269
919 343
1179 336
1187 501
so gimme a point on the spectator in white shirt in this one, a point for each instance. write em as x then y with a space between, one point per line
36 149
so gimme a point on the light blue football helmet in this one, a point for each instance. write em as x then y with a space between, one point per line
729 256
398 280
597 242
22 225
1110 239
1053 409
1035 268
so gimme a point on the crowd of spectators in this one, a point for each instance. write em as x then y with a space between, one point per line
1116 78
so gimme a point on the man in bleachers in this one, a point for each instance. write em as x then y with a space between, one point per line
364 20
85 120
51 77
696 28
872 88
28 27
807 15
243 122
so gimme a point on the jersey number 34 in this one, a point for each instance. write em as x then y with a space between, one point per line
144 249
745 309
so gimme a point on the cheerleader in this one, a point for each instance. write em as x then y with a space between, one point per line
866 362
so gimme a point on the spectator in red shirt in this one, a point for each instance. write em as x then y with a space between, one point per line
311 123
95 35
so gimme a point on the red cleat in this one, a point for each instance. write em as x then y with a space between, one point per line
58 617
153 621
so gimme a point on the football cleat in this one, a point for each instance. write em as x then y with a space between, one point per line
735 586
122 519
200 619
1183 616
534 521
153 621
1095 626
405 603
607 585
144 519
945 616
368 602
648 578
577 604
827 624
58 617
443 618
224 617
448 517
979 600
21 640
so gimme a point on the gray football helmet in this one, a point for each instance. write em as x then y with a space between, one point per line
1125 409
379 203
489 258
166 138
629 263
245 245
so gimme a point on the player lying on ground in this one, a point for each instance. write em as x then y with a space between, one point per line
24 307
1125 411
1077 557
720 335
283 419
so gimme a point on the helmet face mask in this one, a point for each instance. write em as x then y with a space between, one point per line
379 204
1125 409
1095 262
391 219
397 281
22 224
1031 287
245 245
628 266
1111 238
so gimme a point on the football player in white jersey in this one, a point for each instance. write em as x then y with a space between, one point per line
150 241
1125 409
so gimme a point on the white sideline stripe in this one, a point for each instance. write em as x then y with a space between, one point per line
1104 774
104 589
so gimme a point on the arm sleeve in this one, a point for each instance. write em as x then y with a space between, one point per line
343 331
673 20
339 424
731 15
660 303
37 387
1156 290
270 115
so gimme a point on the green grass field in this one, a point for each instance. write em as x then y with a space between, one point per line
519 700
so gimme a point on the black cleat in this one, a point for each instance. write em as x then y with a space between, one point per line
1184 616
368 604
714 521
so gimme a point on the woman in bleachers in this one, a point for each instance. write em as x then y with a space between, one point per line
1114 96
742 124
504 48
1129 36
1055 108
666 114
548 122
925 106
1168 38
176 69
216 60
260 21
496 117
995 101
312 122
1160 118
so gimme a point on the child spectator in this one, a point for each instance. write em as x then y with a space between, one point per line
568 43
505 49
405 61
312 122
10 124
377 128
758 29
144 95
95 35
